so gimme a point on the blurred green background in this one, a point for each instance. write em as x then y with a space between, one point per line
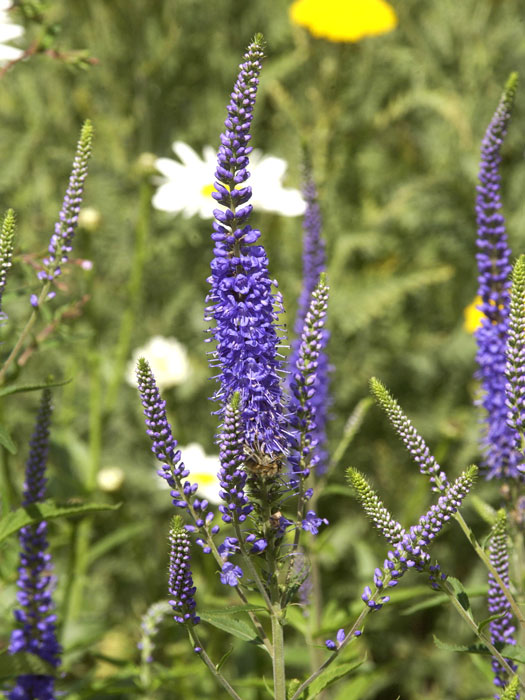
393 124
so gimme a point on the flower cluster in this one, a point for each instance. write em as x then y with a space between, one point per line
164 447
515 354
7 236
502 629
304 384
61 243
150 625
232 475
180 584
314 263
240 301
36 621
410 437
409 546
494 270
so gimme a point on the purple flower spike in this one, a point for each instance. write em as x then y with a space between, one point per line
61 243
157 427
304 384
501 630
180 585
232 475
36 621
501 459
240 301
314 264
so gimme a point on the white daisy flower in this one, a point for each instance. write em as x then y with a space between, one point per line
8 32
203 470
188 183
167 358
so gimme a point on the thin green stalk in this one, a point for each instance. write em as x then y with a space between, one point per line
209 663
82 538
251 568
25 332
279 673
349 637
486 560
447 588
133 293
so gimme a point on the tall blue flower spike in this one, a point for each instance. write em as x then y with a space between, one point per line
36 620
314 264
501 459
240 302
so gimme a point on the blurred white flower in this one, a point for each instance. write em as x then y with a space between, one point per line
8 32
167 358
188 183
110 478
203 471
89 218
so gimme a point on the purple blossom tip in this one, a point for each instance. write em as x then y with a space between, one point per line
180 584
61 242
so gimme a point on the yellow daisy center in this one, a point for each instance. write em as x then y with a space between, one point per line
207 190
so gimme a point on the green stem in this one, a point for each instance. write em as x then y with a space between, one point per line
25 332
349 637
209 663
279 673
83 533
486 560
249 565
447 588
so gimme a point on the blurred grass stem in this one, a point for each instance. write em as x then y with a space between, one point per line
25 332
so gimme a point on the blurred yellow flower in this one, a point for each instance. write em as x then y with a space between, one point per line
473 316
344 20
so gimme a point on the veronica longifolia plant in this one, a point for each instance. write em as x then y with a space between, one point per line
271 433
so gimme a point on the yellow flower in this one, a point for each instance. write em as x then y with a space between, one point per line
473 316
344 20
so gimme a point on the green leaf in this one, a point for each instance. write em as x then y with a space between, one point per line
47 510
20 388
461 593
223 659
434 599
515 652
7 441
229 622
332 674
487 620
12 665
114 539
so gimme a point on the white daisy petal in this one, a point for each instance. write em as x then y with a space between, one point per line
188 184
167 358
